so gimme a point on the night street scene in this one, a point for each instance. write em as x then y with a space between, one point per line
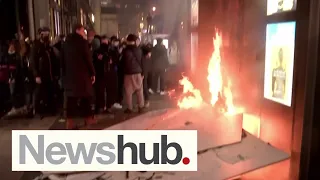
243 73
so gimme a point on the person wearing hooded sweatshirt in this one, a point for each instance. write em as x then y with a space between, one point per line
4 83
133 69
16 80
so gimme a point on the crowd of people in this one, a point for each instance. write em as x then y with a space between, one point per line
79 76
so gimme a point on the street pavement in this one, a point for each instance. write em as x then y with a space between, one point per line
53 123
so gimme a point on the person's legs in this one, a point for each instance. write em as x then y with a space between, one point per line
120 88
138 82
71 106
13 97
38 104
99 95
51 102
86 112
146 90
4 97
155 81
162 80
128 86
149 80
111 89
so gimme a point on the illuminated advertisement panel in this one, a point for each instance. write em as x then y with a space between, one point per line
279 62
278 6
194 13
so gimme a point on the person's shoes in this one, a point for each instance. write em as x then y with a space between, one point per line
99 110
109 111
12 112
151 91
117 106
70 125
128 111
162 93
91 120
141 110
147 104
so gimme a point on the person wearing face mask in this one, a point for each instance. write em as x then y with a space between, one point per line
46 71
101 59
133 70
115 54
15 76
78 78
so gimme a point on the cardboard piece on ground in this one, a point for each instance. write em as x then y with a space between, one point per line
219 163
214 131
85 176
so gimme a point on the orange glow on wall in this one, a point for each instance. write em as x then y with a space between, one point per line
251 123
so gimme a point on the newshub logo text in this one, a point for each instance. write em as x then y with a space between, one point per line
102 150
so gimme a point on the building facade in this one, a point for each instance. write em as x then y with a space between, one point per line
58 15
245 27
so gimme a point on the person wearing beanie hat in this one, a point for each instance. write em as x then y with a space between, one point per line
133 69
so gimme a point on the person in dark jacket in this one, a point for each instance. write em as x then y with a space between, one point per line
160 63
147 64
115 55
4 83
111 75
78 77
101 61
133 79
29 80
16 80
46 68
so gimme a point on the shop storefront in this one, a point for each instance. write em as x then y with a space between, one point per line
55 18
269 53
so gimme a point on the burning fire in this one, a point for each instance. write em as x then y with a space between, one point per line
220 91
194 99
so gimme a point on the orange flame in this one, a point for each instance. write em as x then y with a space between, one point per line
215 78
216 84
194 100
214 71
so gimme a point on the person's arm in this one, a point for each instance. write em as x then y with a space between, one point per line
166 58
34 60
62 62
88 59
56 64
